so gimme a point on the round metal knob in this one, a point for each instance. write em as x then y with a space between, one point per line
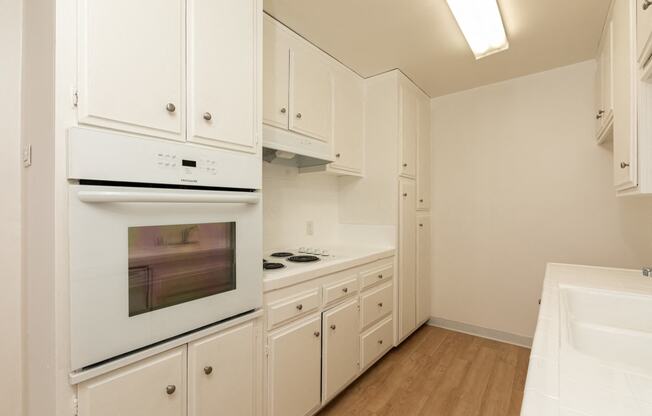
405 165
380 304
208 116
345 290
405 194
380 276
624 165
646 4
284 110
208 370
170 107
380 341
338 155
299 307
298 115
316 334
420 225
171 389
333 327
421 200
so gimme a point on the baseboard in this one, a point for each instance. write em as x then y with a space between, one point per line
479 331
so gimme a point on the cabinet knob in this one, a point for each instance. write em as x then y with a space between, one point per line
208 370
298 115
405 165
599 115
646 4
420 225
421 200
405 194
170 389
208 116
299 307
338 155
316 334
380 341
380 304
170 107
624 165
345 290
380 276
333 327
284 110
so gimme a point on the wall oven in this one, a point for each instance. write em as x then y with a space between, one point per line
164 238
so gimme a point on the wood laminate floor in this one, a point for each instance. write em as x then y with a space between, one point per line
437 372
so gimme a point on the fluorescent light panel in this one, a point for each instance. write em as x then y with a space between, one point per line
481 24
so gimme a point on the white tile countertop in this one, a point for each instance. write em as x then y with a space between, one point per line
592 350
339 258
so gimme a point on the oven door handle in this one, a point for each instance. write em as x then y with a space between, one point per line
170 197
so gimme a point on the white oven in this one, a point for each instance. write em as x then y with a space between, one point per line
151 257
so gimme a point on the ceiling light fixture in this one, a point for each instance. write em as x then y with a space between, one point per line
481 24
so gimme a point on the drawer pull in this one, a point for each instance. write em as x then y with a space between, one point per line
171 389
345 290
208 370
316 334
380 304
333 327
299 307
380 341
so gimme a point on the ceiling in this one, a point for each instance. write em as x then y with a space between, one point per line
421 37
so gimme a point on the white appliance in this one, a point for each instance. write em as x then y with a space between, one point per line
291 148
165 238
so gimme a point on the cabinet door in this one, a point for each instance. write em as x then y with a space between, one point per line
221 373
294 369
599 110
348 120
152 387
223 72
423 159
408 130
607 74
311 93
407 258
276 73
131 70
643 30
625 127
341 349
423 268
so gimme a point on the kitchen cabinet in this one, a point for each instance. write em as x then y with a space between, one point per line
423 157
222 373
298 84
276 73
408 127
604 85
154 386
424 255
294 369
348 120
222 69
341 343
407 258
131 66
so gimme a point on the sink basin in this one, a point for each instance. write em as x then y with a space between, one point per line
615 328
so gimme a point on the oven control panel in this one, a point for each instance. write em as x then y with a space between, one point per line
186 165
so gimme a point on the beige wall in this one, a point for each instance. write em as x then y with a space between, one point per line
518 182
10 207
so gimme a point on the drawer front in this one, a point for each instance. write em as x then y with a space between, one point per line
377 304
288 309
340 290
376 342
381 274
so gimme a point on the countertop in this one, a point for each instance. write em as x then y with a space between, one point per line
562 381
341 258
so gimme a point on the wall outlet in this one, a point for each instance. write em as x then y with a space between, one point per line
310 228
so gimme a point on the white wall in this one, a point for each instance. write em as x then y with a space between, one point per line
10 209
290 200
518 182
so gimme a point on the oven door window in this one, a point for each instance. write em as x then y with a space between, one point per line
173 264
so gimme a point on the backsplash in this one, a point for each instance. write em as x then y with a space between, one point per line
291 200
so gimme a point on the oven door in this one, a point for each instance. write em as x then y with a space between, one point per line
149 264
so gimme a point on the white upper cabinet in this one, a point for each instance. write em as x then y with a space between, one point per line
341 347
604 84
408 125
131 66
222 373
155 386
276 73
223 77
423 157
348 120
311 93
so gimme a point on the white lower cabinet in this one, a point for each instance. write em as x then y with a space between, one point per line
222 372
407 259
340 357
423 268
152 387
294 369
376 342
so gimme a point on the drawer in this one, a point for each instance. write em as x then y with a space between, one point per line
340 290
376 304
378 275
376 342
287 309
